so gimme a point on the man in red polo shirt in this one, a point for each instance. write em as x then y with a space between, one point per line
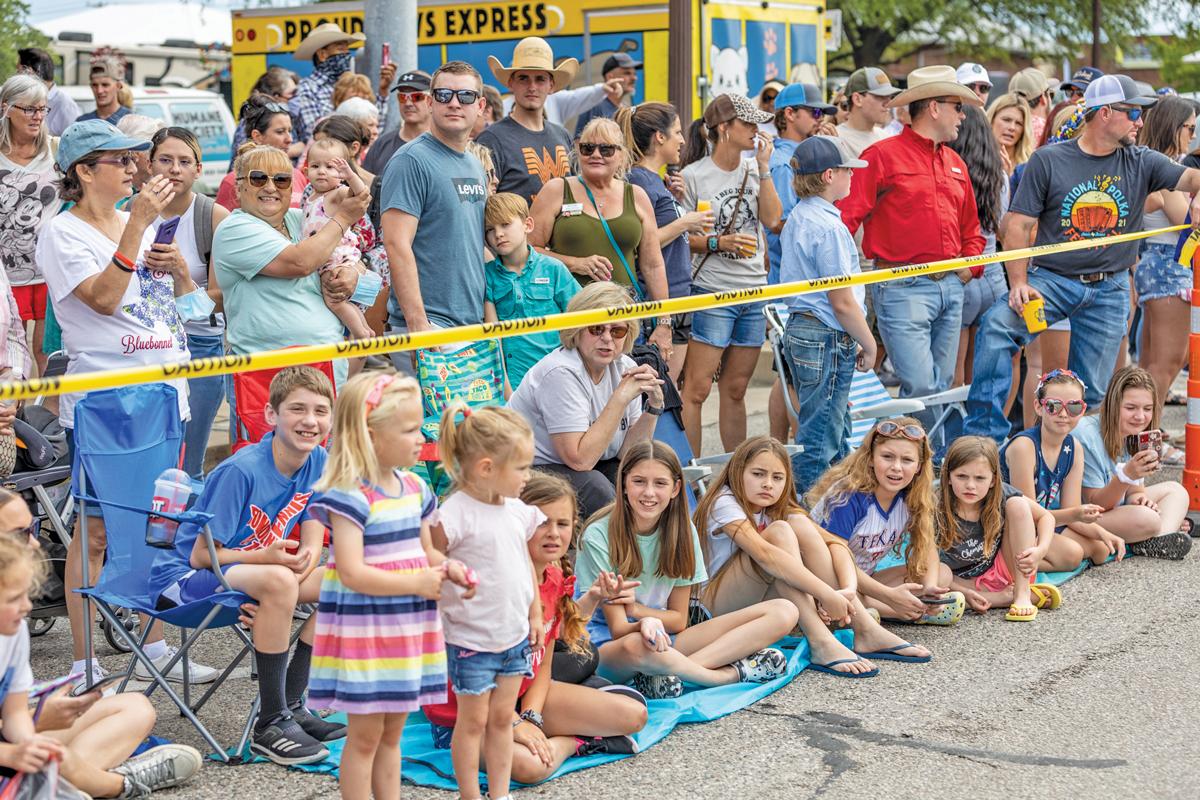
915 204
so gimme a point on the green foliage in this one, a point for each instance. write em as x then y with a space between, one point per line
1184 77
885 31
16 33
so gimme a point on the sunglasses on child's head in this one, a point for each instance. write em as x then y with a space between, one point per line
1053 406
258 179
617 331
892 430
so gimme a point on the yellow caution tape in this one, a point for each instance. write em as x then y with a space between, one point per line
273 359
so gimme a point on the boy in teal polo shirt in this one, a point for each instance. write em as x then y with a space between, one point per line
521 282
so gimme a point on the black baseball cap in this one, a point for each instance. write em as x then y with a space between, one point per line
620 60
1082 78
415 81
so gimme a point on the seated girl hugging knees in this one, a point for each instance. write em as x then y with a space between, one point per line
555 718
1045 463
873 498
990 535
93 748
1121 449
759 544
378 652
493 629
329 167
643 635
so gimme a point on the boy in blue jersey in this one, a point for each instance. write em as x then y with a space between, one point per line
269 548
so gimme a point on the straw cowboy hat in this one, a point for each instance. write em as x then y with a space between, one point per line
534 53
326 33
927 82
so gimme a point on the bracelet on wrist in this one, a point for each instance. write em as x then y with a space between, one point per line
122 262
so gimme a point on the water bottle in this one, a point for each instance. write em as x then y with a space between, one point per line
172 491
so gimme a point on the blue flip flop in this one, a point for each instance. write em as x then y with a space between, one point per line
891 654
828 668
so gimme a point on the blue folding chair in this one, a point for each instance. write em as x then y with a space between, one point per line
124 438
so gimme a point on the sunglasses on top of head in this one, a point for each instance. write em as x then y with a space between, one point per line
606 150
465 96
258 179
892 430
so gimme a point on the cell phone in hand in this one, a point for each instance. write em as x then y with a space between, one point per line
54 684
937 601
99 686
1146 440
166 231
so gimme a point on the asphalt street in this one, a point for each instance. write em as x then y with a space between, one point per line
1094 700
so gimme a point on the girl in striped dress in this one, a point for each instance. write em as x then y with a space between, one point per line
378 652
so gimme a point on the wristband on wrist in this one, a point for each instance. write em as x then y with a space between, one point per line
123 263
714 242
1124 478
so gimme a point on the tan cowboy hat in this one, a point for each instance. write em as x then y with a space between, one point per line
533 53
938 81
326 33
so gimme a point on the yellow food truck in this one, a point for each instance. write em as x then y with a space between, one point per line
737 45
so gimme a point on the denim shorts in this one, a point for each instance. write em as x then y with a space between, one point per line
730 326
475 672
1159 275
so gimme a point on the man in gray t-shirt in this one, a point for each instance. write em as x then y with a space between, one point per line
1091 187
432 197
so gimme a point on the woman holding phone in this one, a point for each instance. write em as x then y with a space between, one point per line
175 155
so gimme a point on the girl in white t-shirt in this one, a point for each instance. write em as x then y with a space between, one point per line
492 629
759 543
91 737
875 498
644 636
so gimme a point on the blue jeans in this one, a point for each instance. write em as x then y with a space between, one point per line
822 363
919 320
1098 313
204 398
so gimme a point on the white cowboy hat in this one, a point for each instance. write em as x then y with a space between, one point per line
326 33
533 53
937 81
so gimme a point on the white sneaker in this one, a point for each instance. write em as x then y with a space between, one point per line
197 672
158 768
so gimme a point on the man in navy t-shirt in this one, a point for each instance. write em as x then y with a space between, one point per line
268 548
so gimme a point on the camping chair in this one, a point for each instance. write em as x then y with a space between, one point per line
251 391
124 438
869 400
473 374
704 467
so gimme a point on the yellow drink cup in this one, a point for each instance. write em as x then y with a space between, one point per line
1035 315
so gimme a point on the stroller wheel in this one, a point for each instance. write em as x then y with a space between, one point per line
128 620
41 625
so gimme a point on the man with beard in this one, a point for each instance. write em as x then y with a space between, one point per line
416 109
527 149
1092 186
329 48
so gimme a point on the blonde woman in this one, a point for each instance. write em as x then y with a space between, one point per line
1011 123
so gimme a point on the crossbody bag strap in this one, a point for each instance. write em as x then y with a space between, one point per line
608 232
737 203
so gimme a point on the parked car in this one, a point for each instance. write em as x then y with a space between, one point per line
203 113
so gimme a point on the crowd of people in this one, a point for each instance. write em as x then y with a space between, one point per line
565 580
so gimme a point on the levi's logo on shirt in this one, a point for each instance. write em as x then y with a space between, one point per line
469 190
264 530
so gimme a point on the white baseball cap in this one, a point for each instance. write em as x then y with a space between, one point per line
970 72
1109 89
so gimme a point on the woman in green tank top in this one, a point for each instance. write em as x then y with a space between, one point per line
570 215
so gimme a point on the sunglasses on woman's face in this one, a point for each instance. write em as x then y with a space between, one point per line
617 331
259 179
914 433
1053 406
606 150
123 161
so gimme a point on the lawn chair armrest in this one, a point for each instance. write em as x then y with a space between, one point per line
956 395
889 408
213 562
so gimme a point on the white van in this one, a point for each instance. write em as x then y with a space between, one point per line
203 113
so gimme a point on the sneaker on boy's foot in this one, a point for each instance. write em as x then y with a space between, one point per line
765 665
158 768
657 687
605 745
197 672
320 729
1171 546
285 743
